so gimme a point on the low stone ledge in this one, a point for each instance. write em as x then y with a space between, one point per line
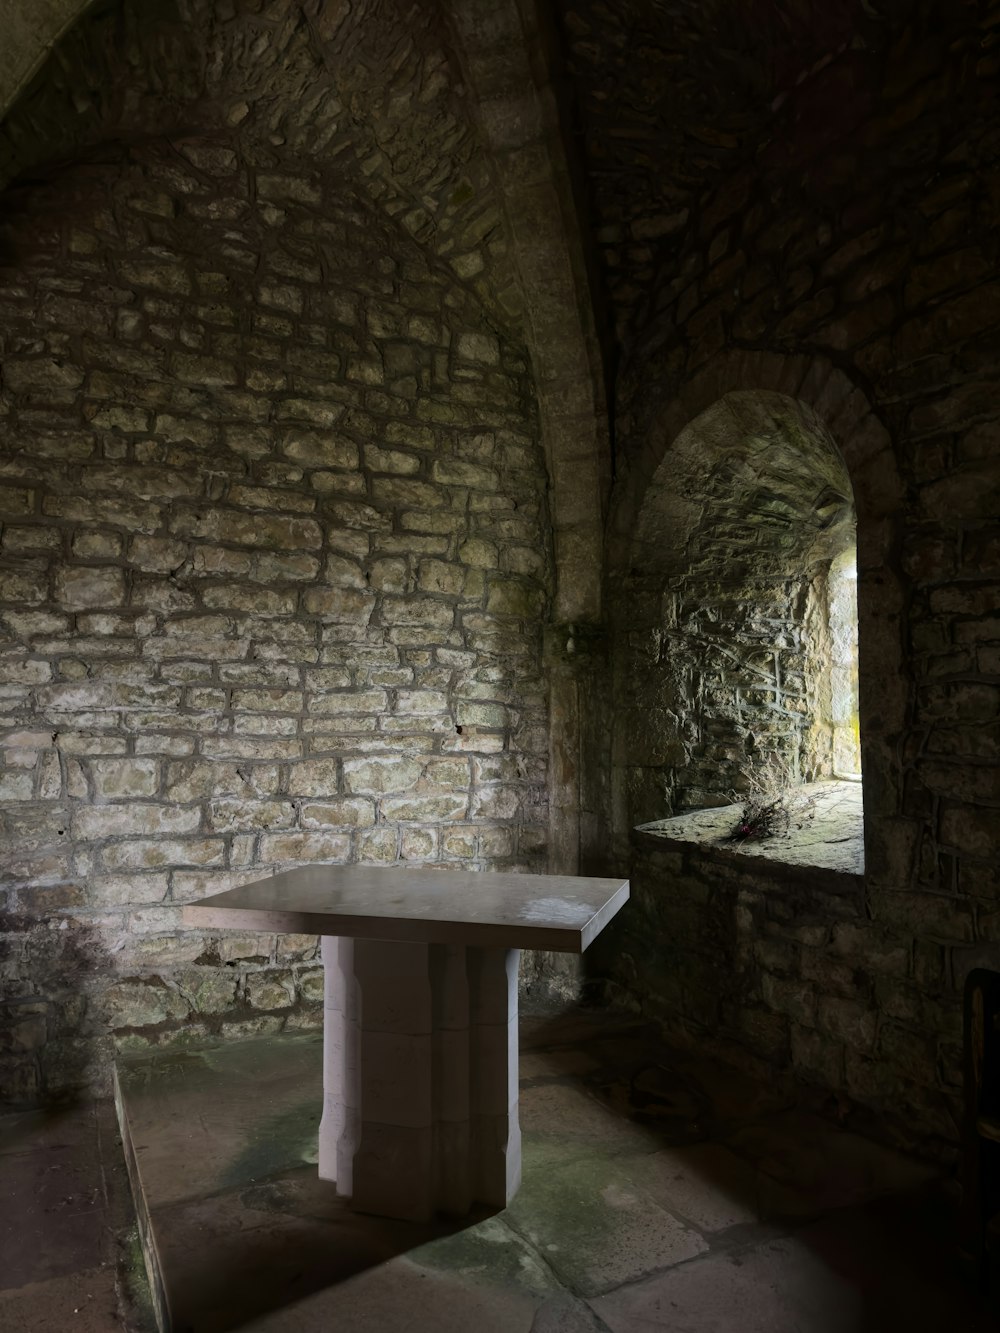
828 838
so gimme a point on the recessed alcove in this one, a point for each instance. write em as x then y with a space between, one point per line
736 642
736 670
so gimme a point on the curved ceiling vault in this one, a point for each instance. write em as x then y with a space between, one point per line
439 114
344 87
756 484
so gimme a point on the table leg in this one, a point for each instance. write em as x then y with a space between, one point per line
339 1127
496 1132
420 1076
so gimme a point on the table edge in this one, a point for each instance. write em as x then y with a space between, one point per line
416 930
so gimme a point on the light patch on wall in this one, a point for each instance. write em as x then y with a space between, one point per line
842 602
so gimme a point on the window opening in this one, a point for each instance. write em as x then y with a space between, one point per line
842 602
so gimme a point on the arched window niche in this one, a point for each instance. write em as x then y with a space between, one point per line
737 659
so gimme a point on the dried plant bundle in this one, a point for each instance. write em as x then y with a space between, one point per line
770 806
761 819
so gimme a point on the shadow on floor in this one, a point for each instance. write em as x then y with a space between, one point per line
661 1191
221 1144
806 1225
234 1257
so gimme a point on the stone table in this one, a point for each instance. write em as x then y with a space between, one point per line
420 1021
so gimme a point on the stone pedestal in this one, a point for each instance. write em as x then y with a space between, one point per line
420 1076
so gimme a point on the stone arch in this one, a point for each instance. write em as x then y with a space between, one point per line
370 94
536 254
840 404
30 33
500 42
308 455
501 45
865 447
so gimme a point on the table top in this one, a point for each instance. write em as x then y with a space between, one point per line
559 912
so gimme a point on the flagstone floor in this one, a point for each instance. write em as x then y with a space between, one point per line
661 1192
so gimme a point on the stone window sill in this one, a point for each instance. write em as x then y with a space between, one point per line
831 841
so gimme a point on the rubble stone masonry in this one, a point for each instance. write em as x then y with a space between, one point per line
850 263
273 533
276 544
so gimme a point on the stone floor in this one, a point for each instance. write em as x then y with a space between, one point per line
69 1251
660 1192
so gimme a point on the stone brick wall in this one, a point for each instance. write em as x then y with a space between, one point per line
273 503
671 97
273 574
370 88
716 681
780 969
863 234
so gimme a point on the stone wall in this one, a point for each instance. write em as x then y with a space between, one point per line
670 98
273 574
862 234
370 88
445 117
780 969
715 682
210 335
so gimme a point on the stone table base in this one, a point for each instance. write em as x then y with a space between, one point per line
420 1076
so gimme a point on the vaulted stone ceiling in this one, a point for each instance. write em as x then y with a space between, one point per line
348 87
672 97
438 113
753 488
664 98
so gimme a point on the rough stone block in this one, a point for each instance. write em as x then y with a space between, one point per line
848 1021
426 809
89 586
273 989
304 848
117 778
141 1003
344 606
349 812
